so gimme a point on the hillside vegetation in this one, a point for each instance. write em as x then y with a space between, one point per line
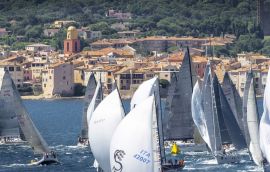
153 17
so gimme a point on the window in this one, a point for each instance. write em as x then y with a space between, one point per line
64 77
76 47
67 46
18 80
11 68
44 85
67 82
18 86
109 73
50 77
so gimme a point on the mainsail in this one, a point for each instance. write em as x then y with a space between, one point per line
224 133
28 128
132 147
265 122
233 99
89 93
102 125
234 130
253 126
179 123
9 126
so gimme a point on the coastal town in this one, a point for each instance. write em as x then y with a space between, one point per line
41 71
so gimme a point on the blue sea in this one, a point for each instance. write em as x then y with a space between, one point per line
59 122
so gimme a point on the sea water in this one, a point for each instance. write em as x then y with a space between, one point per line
59 122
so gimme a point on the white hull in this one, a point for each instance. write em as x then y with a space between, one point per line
84 144
46 161
11 141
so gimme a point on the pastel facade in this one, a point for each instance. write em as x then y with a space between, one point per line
58 79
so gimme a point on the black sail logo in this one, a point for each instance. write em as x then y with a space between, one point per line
118 156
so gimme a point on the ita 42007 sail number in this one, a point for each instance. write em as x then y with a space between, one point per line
143 156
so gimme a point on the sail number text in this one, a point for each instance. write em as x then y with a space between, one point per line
143 156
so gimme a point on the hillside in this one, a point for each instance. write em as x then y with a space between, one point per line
152 17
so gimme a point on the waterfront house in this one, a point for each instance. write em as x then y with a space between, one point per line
58 79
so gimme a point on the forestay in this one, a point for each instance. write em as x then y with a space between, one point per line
265 122
179 123
253 126
103 123
132 147
28 128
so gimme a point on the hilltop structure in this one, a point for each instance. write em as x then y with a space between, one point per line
72 43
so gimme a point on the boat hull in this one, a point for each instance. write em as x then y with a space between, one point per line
228 158
46 161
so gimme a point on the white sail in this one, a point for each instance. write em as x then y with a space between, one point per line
103 123
88 97
265 122
198 114
146 89
253 126
132 144
97 97
143 92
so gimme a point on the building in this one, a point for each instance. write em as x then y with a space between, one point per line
62 23
118 15
15 71
72 43
3 32
58 79
50 32
88 34
114 43
129 34
38 47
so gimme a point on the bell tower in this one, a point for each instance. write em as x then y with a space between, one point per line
72 43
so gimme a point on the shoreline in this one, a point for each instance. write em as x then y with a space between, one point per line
41 97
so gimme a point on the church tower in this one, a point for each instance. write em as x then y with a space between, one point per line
72 43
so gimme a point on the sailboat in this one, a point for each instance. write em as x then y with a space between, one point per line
145 90
102 125
139 151
215 120
264 128
178 123
10 130
29 130
252 120
90 95
233 99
